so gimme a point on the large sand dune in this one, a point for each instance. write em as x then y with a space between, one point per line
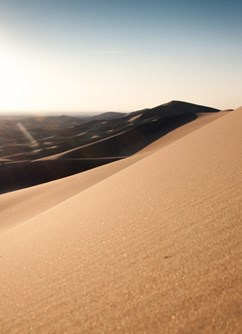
17 206
37 150
154 247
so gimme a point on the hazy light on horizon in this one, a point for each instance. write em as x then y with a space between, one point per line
79 55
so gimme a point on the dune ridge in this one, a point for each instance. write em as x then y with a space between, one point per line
155 247
42 149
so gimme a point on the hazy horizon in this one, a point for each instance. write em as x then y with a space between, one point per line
82 112
75 56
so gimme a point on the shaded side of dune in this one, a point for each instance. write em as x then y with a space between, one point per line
131 141
25 174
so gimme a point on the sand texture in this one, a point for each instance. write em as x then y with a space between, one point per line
151 247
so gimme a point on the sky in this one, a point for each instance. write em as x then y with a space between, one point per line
112 55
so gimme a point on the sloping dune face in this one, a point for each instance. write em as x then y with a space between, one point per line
154 248
18 206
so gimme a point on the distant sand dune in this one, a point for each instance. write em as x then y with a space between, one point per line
40 150
154 248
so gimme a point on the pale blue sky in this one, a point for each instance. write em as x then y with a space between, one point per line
119 55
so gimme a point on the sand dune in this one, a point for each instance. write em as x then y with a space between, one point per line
40 150
18 206
203 119
155 247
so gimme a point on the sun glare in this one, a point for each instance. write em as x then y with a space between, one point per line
12 80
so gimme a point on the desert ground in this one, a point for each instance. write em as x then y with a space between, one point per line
149 242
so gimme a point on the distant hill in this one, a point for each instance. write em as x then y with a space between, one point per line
39 149
174 107
108 116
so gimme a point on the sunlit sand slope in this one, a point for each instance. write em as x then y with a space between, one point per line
18 206
154 248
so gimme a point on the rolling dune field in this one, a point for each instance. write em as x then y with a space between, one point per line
149 244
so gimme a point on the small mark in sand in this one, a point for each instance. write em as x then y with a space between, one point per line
167 257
